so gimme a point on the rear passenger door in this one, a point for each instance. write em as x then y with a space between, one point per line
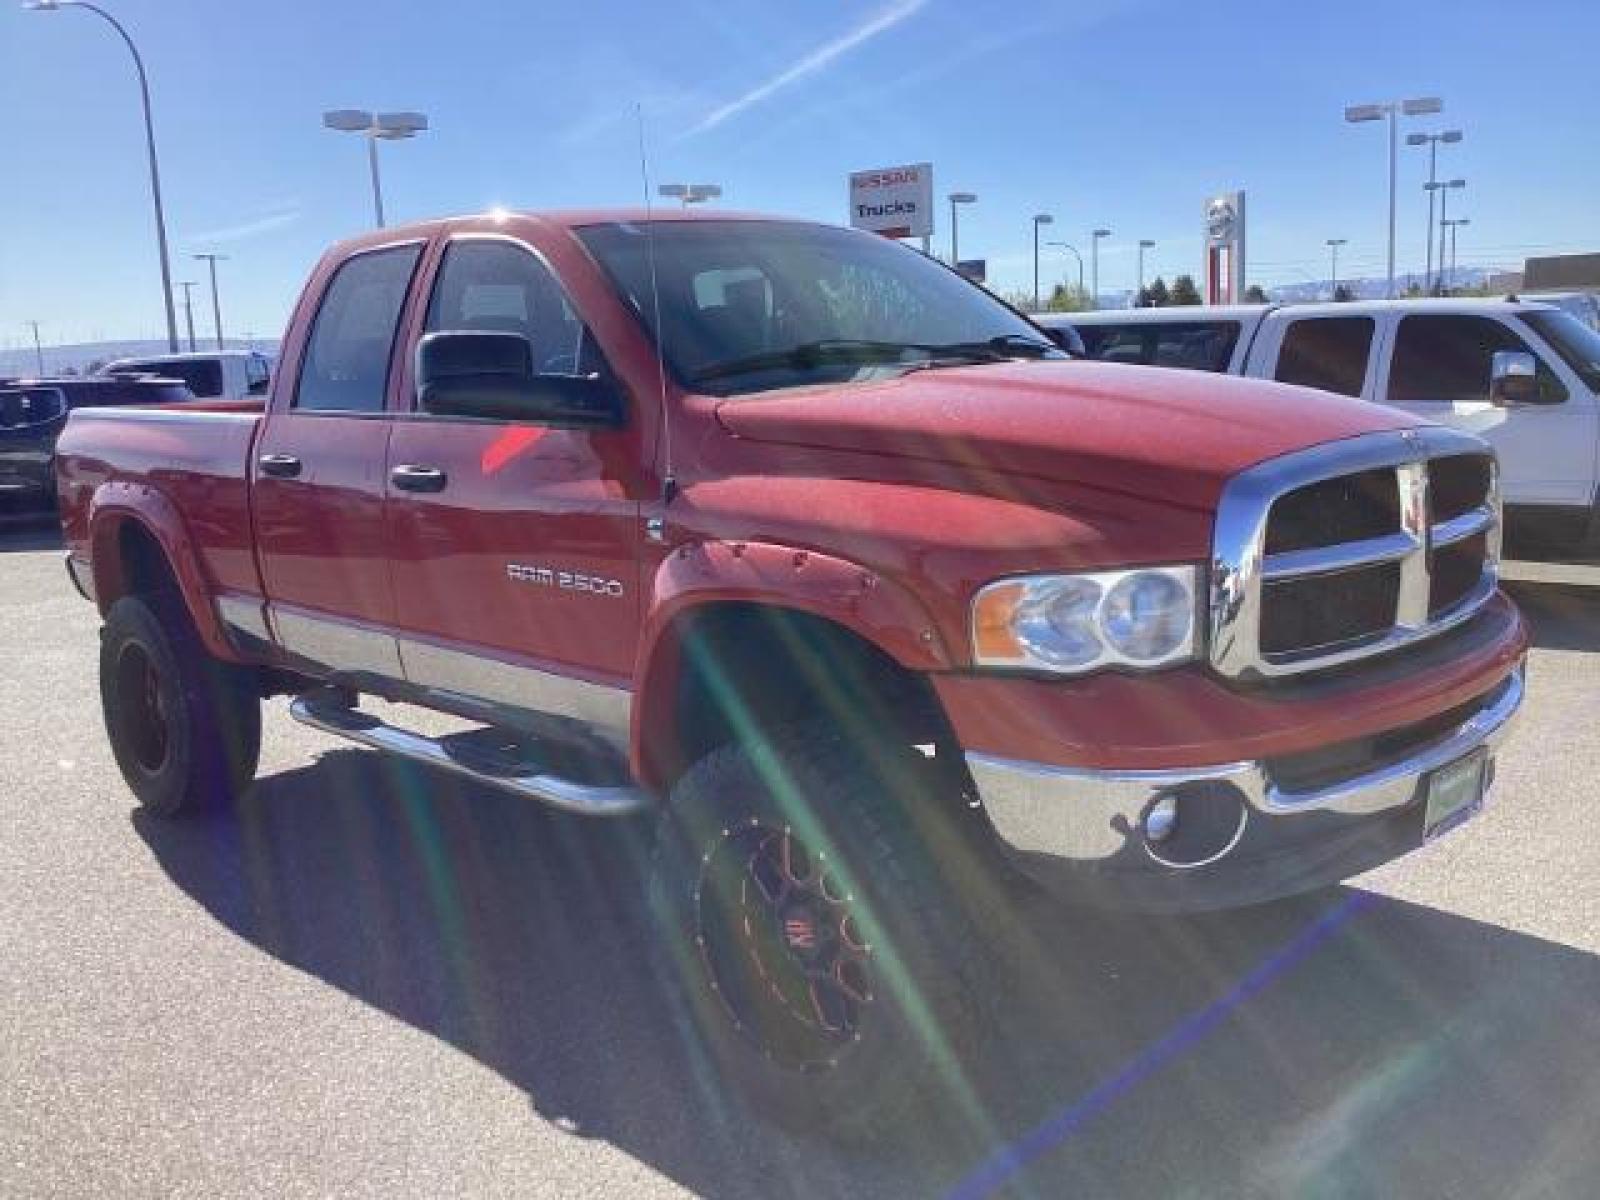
319 477
1438 368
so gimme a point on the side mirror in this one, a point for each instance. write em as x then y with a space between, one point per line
490 375
1513 378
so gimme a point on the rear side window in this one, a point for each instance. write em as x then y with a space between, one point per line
1194 345
346 367
1447 359
1326 352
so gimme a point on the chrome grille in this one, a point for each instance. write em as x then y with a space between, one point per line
1348 550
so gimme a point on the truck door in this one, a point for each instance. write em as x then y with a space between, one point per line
319 475
1439 369
514 546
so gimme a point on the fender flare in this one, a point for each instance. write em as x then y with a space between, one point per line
119 501
856 598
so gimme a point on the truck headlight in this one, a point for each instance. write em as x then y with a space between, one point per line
1071 624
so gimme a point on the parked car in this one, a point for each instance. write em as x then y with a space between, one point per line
223 376
33 413
1523 375
877 607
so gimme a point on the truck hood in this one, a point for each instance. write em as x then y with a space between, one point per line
1155 432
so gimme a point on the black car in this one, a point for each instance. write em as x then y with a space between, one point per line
32 414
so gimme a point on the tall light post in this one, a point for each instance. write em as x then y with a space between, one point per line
1454 224
1144 244
1038 220
1333 245
1431 140
38 351
957 198
690 193
376 127
1094 265
150 151
211 260
1076 255
1444 187
188 309
1391 110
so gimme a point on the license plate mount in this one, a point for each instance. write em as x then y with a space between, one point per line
1455 793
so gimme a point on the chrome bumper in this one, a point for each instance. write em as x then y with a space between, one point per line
1093 817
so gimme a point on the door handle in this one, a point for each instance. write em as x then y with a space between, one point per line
409 477
282 466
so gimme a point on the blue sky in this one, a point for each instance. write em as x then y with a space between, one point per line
1125 113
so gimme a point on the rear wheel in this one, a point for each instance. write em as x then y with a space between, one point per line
828 966
185 729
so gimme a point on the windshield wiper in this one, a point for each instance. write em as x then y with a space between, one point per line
844 351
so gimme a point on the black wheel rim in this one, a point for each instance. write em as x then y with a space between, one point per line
142 698
782 945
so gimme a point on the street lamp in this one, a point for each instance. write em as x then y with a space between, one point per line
1038 220
388 127
1444 188
691 193
1333 245
1076 255
955 199
1431 140
1453 225
1144 244
211 260
1094 265
188 309
1420 106
150 151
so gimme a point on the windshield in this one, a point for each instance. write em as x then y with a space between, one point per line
202 376
752 305
1577 345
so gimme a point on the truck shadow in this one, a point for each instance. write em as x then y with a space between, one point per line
1406 1052
1563 616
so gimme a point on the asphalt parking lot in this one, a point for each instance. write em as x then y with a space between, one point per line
379 981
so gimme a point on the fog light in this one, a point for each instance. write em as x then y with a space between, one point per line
1162 818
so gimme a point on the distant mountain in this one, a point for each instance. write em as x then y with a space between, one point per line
83 355
1368 288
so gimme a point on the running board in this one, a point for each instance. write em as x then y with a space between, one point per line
455 753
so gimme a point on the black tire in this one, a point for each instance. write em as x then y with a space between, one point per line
185 728
866 1037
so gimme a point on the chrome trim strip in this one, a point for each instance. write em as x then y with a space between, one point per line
335 643
244 614
165 415
1240 567
1325 560
587 799
1088 815
1458 529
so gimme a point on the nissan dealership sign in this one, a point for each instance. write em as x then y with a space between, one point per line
895 201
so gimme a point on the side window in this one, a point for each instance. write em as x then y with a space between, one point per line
1327 352
256 375
1192 345
495 285
1447 359
346 367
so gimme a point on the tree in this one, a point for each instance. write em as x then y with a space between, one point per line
1343 294
1184 290
1255 294
1068 299
1153 296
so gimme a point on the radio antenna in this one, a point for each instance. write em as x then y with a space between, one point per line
669 481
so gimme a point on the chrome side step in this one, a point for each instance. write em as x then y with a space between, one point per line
465 755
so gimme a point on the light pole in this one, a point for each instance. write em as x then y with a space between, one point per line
150 151
1417 107
38 351
211 260
375 127
188 309
1333 245
1432 140
1144 244
691 193
1094 265
1444 188
1076 255
1454 224
955 199
1038 220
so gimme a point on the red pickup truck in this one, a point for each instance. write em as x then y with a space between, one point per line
814 548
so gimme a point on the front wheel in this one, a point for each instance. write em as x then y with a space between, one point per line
809 910
185 729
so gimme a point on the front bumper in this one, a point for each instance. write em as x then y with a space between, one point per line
1265 835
